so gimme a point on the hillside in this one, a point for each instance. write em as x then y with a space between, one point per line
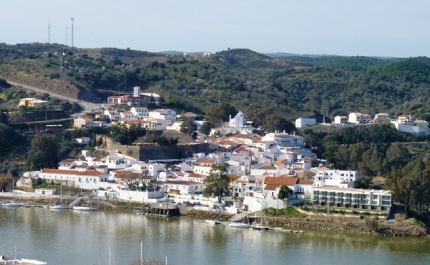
290 86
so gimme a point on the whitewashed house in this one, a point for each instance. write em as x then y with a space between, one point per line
336 178
140 112
340 119
305 122
89 179
181 187
163 114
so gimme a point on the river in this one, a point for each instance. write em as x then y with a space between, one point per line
80 238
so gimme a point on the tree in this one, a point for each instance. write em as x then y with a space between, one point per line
217 183
275 122
5 179
43 152
206 128
189 128
284 193
219 113
4 116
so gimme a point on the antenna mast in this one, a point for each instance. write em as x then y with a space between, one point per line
67 41
49 32
72 30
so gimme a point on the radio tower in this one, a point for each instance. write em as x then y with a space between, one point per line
72 30
49 32
67 35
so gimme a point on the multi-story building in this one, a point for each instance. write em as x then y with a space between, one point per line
352 198
359 118
338 178
163 114
140 112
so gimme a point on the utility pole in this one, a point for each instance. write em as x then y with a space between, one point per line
49 32
72 30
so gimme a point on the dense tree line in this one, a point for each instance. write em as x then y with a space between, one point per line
373 150
411 184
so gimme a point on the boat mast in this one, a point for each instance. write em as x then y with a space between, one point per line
141 253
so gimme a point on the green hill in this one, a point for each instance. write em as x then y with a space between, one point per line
255 83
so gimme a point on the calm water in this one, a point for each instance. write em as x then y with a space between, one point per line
63 238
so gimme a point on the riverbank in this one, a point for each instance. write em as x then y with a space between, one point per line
358 225
368 225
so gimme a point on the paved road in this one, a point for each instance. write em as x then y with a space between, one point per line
88 106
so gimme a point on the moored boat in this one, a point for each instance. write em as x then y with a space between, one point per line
7 261
86 208
259 227
239 225
12 204
58 207
213 222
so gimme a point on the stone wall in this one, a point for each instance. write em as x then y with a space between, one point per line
145 153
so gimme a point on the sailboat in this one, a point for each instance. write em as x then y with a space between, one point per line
260 226
12 203
60 206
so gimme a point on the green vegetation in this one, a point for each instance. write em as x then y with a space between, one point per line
43 152
279 212
217 183
254 83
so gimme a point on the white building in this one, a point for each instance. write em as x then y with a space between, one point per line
352 198
128 116
83 140
140 112
340 119
407 124
284 139
239 120
336 178
359 118
113 114
305 122
163 114
182 187
90 179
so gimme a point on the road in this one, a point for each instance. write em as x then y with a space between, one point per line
88 106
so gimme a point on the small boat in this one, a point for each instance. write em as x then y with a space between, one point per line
58 207
213 222
7 261
259 227
239 225
85 208
12 204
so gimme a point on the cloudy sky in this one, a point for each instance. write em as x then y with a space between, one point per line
397 28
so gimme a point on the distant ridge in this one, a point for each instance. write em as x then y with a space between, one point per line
178 52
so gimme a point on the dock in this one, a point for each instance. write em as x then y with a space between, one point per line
159 210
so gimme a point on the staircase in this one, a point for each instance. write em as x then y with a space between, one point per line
78 199
239 216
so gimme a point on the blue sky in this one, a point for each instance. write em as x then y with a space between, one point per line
343 27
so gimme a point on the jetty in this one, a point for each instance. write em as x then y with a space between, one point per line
159 210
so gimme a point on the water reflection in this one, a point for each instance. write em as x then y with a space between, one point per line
85 237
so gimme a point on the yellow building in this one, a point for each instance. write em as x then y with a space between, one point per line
32 102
